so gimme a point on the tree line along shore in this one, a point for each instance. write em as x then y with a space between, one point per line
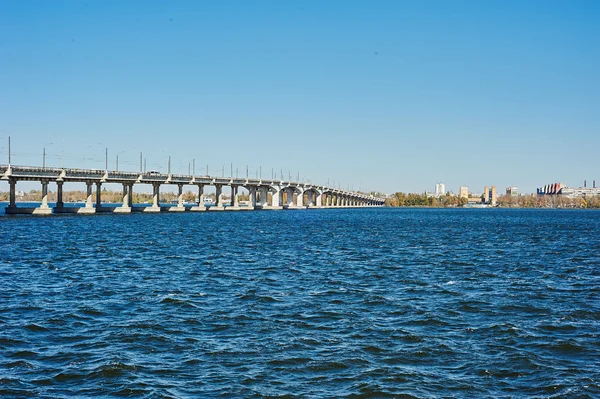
400 199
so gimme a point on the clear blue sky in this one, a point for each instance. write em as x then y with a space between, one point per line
381 95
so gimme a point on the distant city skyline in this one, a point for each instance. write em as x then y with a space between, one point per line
387 96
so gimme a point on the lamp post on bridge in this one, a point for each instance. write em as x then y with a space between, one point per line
44 156
120 152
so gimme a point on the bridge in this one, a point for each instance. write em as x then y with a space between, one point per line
263 193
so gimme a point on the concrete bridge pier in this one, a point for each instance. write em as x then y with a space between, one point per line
319 200
252 196
179 207
127 199
43 209
155 207
59 195
263 198
98 195
276 198
200 207
234 204
300 199
12 203
218 198
289 194
89 205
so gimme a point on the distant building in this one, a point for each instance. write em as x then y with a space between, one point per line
575 192
440 189
551 189
512 191
581 191
490 195
464 192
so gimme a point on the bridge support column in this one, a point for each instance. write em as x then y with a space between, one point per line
234 201
98 195
252 196
219 195
59 194
126 206
12 203
130 195
156 197
290 197
319 202
200 206
218 198
88 197
44 195
276 198
264 197
300 199
179 207
180 195
43 209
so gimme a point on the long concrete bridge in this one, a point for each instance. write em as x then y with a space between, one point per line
263 193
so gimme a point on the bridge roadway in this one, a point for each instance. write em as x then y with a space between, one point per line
263 193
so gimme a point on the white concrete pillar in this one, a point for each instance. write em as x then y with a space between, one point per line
98 195
290 196
264 196
219 199
180 196
235 202
155 195
125 196
319 201
276 198
12 203
300 198
88 198
130 196
252 195
59 194
44 194
200 194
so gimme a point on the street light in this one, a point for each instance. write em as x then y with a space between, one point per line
44 155
120 152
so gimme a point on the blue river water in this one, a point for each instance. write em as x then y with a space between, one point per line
357 303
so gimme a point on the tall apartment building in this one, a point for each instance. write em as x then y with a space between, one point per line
464 192
490 195
440 189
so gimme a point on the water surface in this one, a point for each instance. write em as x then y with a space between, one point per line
401 303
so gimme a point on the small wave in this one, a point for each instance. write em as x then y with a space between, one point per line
289 361
113 370
327 366
35 327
